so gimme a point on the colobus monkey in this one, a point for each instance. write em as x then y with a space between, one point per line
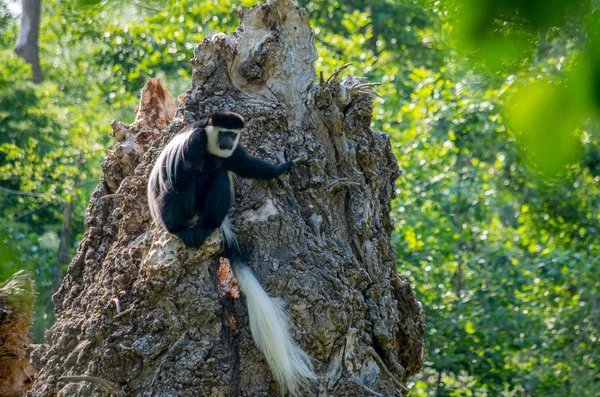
190 194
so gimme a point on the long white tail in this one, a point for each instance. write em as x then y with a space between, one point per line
270 326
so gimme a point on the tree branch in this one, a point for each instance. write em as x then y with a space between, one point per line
112 389
21 192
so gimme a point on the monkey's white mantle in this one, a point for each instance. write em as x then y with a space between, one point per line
144 313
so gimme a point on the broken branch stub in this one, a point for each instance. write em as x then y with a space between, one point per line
318 237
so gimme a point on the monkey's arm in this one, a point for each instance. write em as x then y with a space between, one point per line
247 166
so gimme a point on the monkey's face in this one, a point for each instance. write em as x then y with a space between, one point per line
223 132
222 141
227 138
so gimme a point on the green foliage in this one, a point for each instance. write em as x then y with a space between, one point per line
50 148
497 230
491 107
503 261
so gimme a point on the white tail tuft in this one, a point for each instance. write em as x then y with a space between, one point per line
270 326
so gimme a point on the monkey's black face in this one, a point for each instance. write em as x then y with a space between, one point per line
223 132
227 139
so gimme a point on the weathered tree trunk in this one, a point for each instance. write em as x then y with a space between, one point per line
152 317
17 296
27 42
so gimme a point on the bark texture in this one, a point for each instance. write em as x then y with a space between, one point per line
17 296
141 311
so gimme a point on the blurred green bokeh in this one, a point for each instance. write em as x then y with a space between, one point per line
546 112
544 121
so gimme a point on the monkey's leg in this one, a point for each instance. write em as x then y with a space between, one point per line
217 203
171 214
177 209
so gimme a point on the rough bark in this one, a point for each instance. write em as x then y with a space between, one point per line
27 42
17 296
141 311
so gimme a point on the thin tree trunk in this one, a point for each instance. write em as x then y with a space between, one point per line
62 256
151 317
27 42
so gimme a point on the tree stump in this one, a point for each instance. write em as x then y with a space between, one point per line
153 318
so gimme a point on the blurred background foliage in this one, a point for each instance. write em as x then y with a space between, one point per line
492 106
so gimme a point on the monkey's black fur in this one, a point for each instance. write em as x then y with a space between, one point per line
200 197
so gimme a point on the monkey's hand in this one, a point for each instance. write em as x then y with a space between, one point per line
285 167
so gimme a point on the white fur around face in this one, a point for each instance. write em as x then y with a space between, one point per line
212 135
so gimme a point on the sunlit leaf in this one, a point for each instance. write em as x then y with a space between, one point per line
544 121
469 328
